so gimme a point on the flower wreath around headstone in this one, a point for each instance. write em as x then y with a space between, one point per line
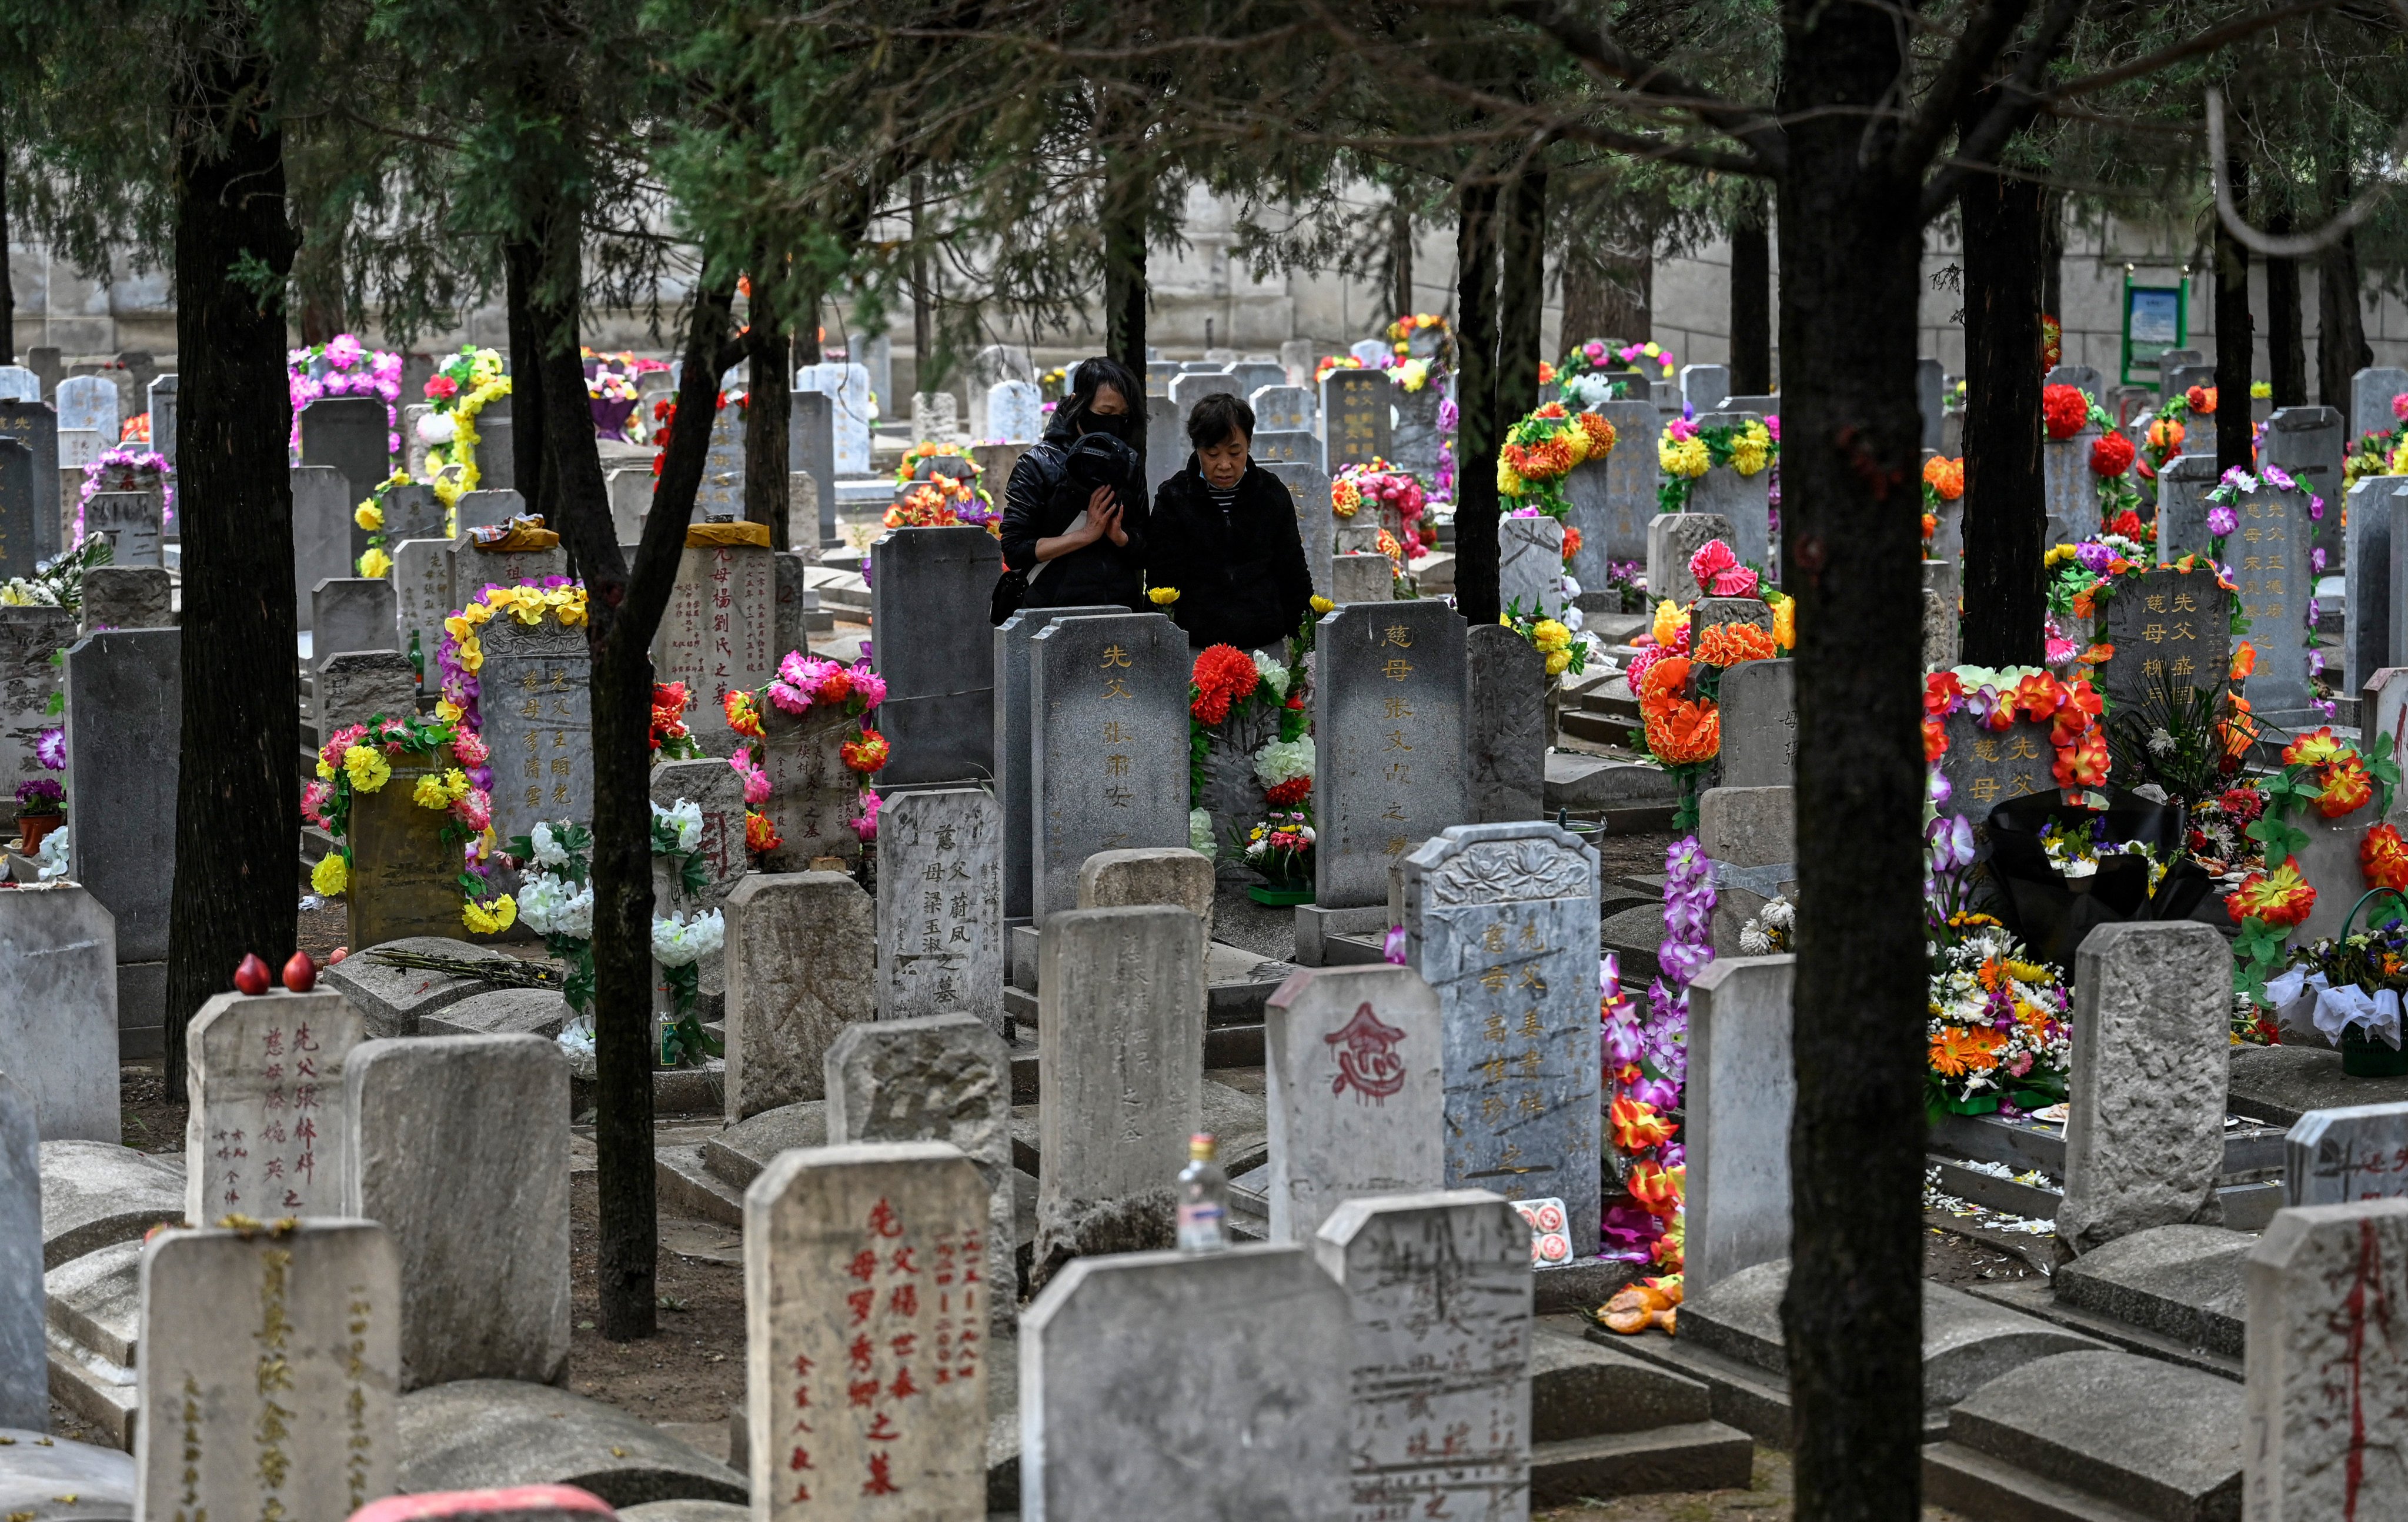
1997 698
802 683
2327 773
344 366
1542 449
376 562
1679 687
2163 438
120 470
461 388
359 759
1688 450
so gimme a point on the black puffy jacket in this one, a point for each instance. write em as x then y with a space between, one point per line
1040 502
1241 580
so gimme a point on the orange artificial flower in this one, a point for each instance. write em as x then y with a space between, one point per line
1930 525
1729 644
1658 1189
2240 730
2084 763
2078 712
2347 788
1955 1052
1945 476
743 716
2316 748
2085 602
2201 399
1935 741
2245 660
2384 858
2165 433
1637 1125
2036 696
2096 654
2281 898
1679 731
1601 434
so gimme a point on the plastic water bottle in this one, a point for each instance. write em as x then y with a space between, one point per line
1203 1198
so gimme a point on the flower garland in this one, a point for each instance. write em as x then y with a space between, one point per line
1405 332
1679 687
127 464
351 369
1334 362
802 683
1542 449
2167 430
1225 679
375 563
2052 343
461 655
1995 698
461 388
2084 578
1687 451
358 759
1647 1063
1943 482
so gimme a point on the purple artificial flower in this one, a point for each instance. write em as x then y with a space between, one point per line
2222 520
2093 556
50 749
1938 789
1392 949
2316 559
1950 838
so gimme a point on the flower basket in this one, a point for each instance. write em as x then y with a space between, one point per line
2052 912
2365 1055
1280 895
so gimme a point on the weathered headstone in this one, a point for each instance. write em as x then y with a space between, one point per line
1015 411
1531 564
1501 921
2165 627
1613 499
59 1028
1108 745
847 387
936 416
810 450
943 1078
1133 1364
2270 557
25 1380
801 965
90 402
2067 488
1354 414
2371 393
29 638
1439 1284
1365 576
36 426
1988 767
127 597
1282 409
1744 500
476 566
404 877
1704 387
2183 484
421 589
717 632
1308 486
1356 1099
130 521
20 384
790 629
1120 1074
1505 730
124 714
269 1371
2355 1152
928 590
350 433
2367 609
2082 377
1750 833
864 1333
2307 444
163 396
1741 1087
1286 447
940 905
322 532
721 496
1388 741
20 514
539 722
1672 540
497 458
489 508
351 614
2145 1137
412 510
2327 1416
813 795
270 1129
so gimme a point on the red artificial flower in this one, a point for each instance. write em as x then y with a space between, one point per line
2084 763
1935 741
2281 898
1223 674
2079 707
2063 409
443 386
1290 793
1941 692
2384 858
2201 399
866 754
759 834
2111 455
836 687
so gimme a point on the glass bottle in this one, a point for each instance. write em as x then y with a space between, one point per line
1203 1198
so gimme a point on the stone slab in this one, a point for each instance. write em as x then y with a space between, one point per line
390 1001
1356 1095
268 1134
1389 685
38 1470
801 964
23 1383
2181 1282
939 679
1108 770
97 1193
59 1024
488 1433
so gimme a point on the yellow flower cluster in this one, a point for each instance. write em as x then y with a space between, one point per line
1670 621
332 877
1752 449
1554 641
368 515
365 766
1412 374
1322 604
486 382
1162 597
490 917
375 565
434 792
1683 456
1784 623
526 604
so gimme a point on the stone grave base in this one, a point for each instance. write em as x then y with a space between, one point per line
2250 1187
480 1434
2102 1437
2172 1293
98 1199
1605 1424
685 1511
1317 929
1634 796
56 1478
2280 1083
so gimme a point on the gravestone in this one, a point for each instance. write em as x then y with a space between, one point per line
1416 441
77 449
1506 725
1744 500
412 512
539 723
90 402
943 1078
1120 1076
863 1328
29 637
20 514
631 500
2144 1133
2165 625
269 1373
476 566
1501 921
928 589
1362 577
130 521
403 876
1613 499
1741 1087
459 1149
270 1129
59 1028
124 716
716 791
1672 540
1308 486
1388 741
941 905
20 384
1256 372
2183 484
2082 377
1354 412
1355 1092
1531 564
2307 443
796 604
1704 387
489 509
2069 489
813 795
322 532
1271 447
2367 612
1988 767
1931 397
350 433
1015 411
717 632
497 459
2326 1432
2269 559
1750 834
1283 408
351 614
1132 1366
422 591
801 958
721 496
1011 741
2371 393
936 416
1439 1407
1108 745
1194 386
24 1376
36 426
162 396
127 597
847 387
2355 1152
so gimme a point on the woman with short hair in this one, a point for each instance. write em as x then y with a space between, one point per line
1223 533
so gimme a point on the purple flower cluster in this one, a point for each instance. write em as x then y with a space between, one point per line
2222 520
349 369
2093 556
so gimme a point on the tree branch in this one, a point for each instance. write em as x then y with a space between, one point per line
1589 44
2018 100
1978 47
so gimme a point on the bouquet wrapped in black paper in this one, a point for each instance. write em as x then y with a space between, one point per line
2060 868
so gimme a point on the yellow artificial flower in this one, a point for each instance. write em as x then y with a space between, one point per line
367 767
1551 635
368 515
332 877
1557 661
2057 555
1509 481
1162 597
573 613
455 783
490 918
1670 622
1784 623
326 772
376 564
1684 457
1322 604
1752 450
429 793
471 655
445 710
2261 390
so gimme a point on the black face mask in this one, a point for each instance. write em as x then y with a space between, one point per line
1114 423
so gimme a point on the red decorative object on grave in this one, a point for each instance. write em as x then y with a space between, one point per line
2063 409
251 976
2111 455
300 973
1223 674
517 1500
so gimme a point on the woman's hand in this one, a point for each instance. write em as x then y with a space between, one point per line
1104 518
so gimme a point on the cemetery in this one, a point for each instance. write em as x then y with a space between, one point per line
632 959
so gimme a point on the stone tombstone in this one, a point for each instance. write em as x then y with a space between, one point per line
2366 614
2082 377
90 402
1308 486
1108 745
497 458
631 498
2145 1137
801 965
936 416
1012 738
162 396
59 1030
78 448
476 566
717 632
1120 1075
1750 835
1940 622
322 532
125 691
1281 446
459 1149
538 716
490 508
2307 443
864 1323
1193 387
421 593
1134 1364
1988 767
2269 556
1362 577
268 1382
1388 741
2325 1433
2165 627
1931 397
2383 704
942 1078
404 882
1255 373
29 637
1016 411
2183 486
270 1129
1282 409
1672 540
1501 921
1416 441
814 796
722 492
351 614
1438 1409
1704 387
1354 411
715 788
940 905
928 590
2352 1153
1744 500
1506 726
24 1378
1530 564
1742 1089
795 602
2068 490
36 426
130 521
412 512
2371 394
1613 499
20 384
847 388
1356 1098
350 433
20 514
128 597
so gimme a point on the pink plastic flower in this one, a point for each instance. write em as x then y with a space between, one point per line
50 749
866 826
474 809
471 748
313 802
867 685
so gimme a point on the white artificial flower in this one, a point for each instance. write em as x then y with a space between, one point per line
548 849
687 820
551 906
436 428
1274 675
576 1037
1284 760
681 942
1199 831
53 853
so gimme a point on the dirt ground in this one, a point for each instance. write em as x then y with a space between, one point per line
689 1375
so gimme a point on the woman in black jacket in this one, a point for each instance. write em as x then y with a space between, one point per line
1081 545
1225 534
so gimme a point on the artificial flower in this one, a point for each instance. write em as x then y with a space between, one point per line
865 754
1637 1125
490 916
1671 629
2280 898
368 516
2201 399
1945 476
743 715
2382 855
332 877
2111 455
50 749
367 767
1679 730
1222 675
429 793
1162 597
2244 661
1729 644
375 565
2063 410
1784 623
1320 604
760 834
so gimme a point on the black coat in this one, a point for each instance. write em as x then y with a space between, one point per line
1241 580
1040 503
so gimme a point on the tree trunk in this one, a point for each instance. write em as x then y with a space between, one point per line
2006 512
1124 288
2342 349
1477 436
237 798
1751 304
530 460
318 280
2051 257
2234 333
768 403
8 284
1851 460
1521 297
2286 349
924 312
1400 260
